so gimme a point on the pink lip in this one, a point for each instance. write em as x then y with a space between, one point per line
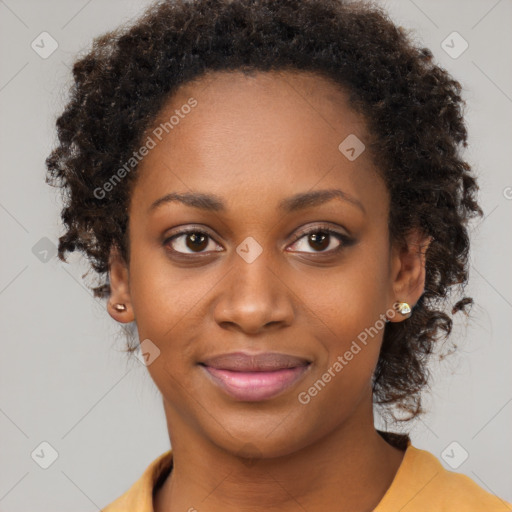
255 385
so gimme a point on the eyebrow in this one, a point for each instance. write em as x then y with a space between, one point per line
211 202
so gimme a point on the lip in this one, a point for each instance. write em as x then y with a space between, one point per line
255 377
261 362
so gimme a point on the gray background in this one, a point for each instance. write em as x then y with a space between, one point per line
63 379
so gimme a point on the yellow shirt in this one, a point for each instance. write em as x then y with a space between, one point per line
421 484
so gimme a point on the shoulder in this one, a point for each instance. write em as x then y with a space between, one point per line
139 497
422 484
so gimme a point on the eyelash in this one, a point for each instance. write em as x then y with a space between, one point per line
342 238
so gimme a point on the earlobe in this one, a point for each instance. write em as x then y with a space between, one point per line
408 266
119 305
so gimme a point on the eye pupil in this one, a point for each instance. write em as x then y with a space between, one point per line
198 241
320 237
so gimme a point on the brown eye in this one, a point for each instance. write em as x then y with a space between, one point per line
196 241
189 242
321 240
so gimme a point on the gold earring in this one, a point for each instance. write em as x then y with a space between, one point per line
403 308
119 307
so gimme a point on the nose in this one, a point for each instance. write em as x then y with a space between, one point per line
253 298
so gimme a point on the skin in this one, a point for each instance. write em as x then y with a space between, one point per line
255 141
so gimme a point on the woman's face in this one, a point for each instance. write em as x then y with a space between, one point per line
249 278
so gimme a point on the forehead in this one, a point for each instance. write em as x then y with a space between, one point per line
269 95
267 134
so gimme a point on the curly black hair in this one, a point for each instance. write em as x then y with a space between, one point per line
413 109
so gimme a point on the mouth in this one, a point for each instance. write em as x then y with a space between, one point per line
256 377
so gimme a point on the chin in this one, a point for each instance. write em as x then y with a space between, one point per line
259 436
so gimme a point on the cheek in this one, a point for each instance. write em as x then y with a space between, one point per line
346 300
351 334
163 296
347 317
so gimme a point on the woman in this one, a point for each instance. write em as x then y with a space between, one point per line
273 193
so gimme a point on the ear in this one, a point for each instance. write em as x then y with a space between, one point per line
119 289
408 271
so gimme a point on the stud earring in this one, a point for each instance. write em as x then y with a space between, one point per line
119 307
403 308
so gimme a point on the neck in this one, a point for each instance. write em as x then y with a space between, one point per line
348 470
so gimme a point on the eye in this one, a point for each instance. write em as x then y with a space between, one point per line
322 239
190 241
